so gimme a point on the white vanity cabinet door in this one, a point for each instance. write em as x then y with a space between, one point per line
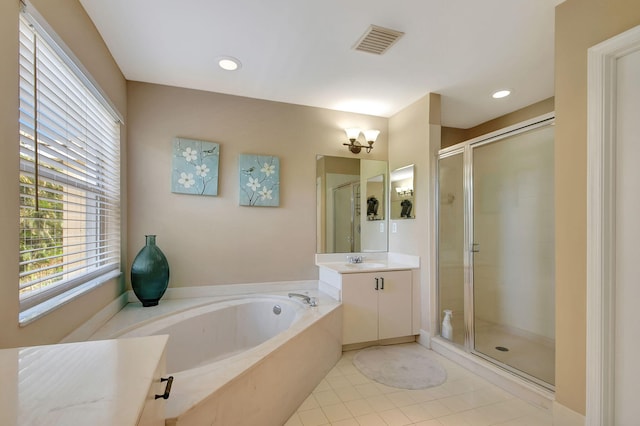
153 411
394 305
360 308
370 314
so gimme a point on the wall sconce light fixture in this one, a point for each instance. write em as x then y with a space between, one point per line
354 146
404 191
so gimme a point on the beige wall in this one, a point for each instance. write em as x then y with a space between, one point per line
452 135
414 139
213 240
69 21
580 24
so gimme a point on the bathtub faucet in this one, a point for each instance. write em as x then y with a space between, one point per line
311 301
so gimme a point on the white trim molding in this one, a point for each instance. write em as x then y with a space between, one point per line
601 149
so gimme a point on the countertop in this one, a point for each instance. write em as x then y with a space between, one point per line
366 266
372 262
89 383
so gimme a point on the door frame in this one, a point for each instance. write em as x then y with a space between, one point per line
601 149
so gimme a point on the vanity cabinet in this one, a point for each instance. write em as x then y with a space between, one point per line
376 306
153 408
97 383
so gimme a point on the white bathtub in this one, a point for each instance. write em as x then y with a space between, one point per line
234 361
221 329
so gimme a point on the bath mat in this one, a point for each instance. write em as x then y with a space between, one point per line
400 366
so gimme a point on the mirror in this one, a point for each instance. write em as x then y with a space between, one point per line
375 197
402 193
343 222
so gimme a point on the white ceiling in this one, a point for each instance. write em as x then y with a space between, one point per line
300 51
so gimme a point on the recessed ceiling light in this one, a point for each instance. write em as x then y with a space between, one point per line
501 94
228 63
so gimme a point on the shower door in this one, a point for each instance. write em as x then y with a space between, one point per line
513 252
505 231
451 242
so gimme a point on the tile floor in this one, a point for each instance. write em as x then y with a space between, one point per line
346 397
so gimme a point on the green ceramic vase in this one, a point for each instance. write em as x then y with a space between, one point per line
150 273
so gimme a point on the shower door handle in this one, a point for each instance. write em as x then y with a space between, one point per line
475 247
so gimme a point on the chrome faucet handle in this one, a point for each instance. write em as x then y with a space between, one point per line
313 301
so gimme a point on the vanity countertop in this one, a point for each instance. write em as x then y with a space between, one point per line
88 383
371 262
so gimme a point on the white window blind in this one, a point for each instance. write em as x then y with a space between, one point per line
69 175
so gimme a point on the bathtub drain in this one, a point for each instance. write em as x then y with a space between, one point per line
277 309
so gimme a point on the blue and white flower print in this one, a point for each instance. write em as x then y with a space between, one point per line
186 180
195 167
259 180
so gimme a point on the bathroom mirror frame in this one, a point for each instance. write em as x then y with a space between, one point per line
402 193
345 181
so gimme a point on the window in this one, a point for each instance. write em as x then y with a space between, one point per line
69 175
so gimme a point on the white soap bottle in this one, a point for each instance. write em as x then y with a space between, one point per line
447 328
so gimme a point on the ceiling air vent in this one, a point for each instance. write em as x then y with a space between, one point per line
377 40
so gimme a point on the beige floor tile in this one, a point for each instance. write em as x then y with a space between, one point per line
368 389
477 417
336 412
346 397
416 413
314 417
457 387
385 388
401 399
371 419
357 378
334 372
436 409
359 407
380 403
456 403
479 398
347 422
495 413
338 382
348 393
348 369
395 417
457 419
328 397
422 395
527 421
433 422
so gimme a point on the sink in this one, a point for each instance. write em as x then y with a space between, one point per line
366 265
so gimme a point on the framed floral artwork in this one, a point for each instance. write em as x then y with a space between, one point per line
259 180
195 167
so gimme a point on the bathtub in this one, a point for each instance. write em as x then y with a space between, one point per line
238 359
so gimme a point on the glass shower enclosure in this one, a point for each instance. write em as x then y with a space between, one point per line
496 270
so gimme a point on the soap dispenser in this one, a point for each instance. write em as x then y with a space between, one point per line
447 328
